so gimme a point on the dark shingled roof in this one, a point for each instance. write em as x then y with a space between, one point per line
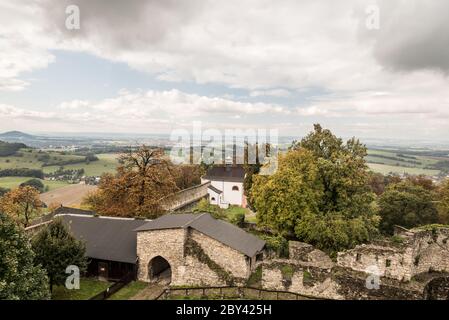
214 189
61 210
226 173
219 230
106 238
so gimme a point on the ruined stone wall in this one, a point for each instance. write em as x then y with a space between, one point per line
306 280
228 258
389 262
421 251
431 251
169 244
352 286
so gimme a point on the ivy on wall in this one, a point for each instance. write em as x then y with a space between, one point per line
193 248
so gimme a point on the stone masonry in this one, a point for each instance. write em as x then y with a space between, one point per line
188 269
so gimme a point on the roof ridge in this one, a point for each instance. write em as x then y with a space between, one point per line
194 219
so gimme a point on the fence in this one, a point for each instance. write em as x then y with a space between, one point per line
114 287
233 292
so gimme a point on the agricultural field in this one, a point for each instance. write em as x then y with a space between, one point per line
14 182
106 163
33 159
68 196
407 162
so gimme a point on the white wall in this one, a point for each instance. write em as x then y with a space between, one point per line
228 196
216 197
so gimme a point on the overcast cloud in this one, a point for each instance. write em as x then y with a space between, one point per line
366 79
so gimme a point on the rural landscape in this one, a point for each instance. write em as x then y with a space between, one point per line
223 158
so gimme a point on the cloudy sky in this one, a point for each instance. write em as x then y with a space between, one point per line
157 65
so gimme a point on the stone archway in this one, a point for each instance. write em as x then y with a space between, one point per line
437 289
159 270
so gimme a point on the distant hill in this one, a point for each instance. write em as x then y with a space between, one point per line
8 149
16 135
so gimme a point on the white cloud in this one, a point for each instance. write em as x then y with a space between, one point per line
282 93
397 73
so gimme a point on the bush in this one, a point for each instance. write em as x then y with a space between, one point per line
238 219
35 183
276 244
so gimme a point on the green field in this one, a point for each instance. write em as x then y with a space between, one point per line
29 158
400 162
107 163
14 182
386 169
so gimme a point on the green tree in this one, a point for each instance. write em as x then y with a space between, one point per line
407 205
20 278
443 205
282 199
320 193
35 183
56 248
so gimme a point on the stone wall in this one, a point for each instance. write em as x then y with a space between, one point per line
169 244
419 251
186 267
229 259
430 251
385 261
309 280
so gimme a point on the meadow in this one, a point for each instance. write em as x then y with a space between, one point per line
403 161
33 159
106 163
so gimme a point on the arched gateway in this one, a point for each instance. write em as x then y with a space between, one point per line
437 289
159 270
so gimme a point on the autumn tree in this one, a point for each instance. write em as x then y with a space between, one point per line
20 277
3 191
187 176
320 193
407 205
23 204
143 178
56 249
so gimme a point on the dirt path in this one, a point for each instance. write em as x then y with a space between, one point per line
151 292
71 195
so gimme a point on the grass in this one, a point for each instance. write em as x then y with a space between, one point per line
129 291
29 159
235 210
107 163
399 165
14 182
386 169
88 288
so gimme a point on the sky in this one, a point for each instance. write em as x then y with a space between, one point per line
368 68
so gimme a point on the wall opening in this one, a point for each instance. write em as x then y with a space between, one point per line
235 188
159 270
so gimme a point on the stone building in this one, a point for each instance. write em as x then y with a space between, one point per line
191 249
